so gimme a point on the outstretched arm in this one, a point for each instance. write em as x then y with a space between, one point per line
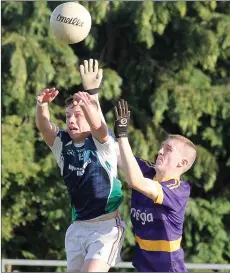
132 171
119 161
91 77
47 129
90 108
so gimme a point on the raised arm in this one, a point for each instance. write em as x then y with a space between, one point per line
119 161
47 129
132 171
91 77
90 108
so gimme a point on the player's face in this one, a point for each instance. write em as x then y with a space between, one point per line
169 157
77 126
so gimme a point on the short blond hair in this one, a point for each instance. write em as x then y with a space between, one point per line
191 146
185 140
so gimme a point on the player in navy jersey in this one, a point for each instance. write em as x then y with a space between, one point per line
86 156
159 198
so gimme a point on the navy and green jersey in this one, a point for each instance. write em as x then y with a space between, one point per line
89 171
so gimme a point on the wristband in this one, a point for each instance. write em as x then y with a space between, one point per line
42 104
92 91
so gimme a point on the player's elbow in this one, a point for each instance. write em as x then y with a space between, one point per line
39 120
96 126
148 189
101 138
40 125
45 127
101 133
134 185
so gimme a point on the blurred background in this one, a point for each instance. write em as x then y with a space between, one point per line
171 61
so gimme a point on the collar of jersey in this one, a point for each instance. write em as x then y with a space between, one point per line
78 145
165 179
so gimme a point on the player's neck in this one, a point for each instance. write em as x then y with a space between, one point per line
81 138
163 176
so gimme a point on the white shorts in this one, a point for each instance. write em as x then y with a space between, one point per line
94 240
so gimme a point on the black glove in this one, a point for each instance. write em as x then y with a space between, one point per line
122 115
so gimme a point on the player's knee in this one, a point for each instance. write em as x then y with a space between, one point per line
95 265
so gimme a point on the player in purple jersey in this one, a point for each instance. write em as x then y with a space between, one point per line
159 198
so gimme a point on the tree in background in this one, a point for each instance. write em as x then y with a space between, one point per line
170 60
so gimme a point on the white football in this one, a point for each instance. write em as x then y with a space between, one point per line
70 22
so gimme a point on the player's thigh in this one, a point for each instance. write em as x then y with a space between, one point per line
105 245
75 254
75 261
93 265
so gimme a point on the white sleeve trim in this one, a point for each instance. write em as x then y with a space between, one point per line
56 148
107 147
107 151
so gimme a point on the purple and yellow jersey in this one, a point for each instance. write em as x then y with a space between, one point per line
158 224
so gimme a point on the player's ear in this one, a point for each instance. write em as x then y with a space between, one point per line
183 163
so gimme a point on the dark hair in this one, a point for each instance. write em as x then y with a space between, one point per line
68 101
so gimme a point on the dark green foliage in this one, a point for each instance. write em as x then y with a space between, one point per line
170 60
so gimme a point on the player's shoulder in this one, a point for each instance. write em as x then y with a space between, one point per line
143 162
147 167
64 136
177 185
185 184
107 148
110 134
111 142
